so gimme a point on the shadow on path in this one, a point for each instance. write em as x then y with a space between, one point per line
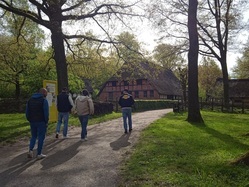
121 142
17 166
61 156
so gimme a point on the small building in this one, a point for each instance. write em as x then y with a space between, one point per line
239 90
145 81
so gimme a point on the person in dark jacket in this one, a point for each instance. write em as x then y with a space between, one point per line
37 113
126 101
64 106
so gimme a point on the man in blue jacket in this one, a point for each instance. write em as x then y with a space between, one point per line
126 101
37 113
64 105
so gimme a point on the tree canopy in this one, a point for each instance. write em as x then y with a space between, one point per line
55 15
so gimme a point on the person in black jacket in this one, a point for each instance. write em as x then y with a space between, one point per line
126 101
64 106
37 113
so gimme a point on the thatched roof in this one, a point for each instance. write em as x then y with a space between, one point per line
163 80
238 88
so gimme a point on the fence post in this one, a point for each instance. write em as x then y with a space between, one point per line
116 104
232 105
243 111
212 104
222 105
201 102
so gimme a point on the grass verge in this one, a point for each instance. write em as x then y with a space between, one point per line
173 152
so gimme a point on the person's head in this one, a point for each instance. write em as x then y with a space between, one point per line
85 92
126 91
44 92
64 89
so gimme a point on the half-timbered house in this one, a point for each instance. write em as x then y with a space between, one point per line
145 81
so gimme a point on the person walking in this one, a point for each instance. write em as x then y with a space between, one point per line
64 107
37 113
84 107
126 101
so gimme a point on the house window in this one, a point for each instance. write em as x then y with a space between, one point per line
110 96
126 83
114 83
151 93
170 97
139 81
136 94
145 93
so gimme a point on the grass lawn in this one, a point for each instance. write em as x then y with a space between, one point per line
172 152
15 126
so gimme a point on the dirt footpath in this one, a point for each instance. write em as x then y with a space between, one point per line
73 163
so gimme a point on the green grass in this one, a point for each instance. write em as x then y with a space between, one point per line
173 152
13 127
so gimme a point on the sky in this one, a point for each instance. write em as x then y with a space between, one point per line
147 36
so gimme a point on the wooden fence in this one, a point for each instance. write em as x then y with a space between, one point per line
218 104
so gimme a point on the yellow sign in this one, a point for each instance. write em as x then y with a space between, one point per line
52 89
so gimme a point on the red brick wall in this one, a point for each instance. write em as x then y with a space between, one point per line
132 87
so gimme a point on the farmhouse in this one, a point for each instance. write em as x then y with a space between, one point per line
145 81
239 90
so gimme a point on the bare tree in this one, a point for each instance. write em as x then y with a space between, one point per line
218 22
56 14
194 114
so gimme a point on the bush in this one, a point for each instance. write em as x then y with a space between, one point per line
11 105
143 105
102 108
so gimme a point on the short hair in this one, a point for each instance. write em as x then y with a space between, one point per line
85 92
64 89
43 91
126 90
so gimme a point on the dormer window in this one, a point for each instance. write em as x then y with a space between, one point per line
126 83
139 81
114 83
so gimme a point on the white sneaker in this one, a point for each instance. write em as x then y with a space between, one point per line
30 154
41 156
86 138
83 139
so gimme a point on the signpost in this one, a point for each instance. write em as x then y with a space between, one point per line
52 89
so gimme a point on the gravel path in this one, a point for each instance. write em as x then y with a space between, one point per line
73 163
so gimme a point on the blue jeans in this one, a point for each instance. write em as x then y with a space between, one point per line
62 116
126 113
38 130
83 121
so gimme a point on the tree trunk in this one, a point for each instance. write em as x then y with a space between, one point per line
18 89
60 60
225 83
58 45
194 114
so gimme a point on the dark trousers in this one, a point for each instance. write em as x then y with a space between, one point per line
38 131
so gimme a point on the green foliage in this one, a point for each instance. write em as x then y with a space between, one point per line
18 50
208 72
41 68
90 63
173 152
129 48
241 70
7 90
168 56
